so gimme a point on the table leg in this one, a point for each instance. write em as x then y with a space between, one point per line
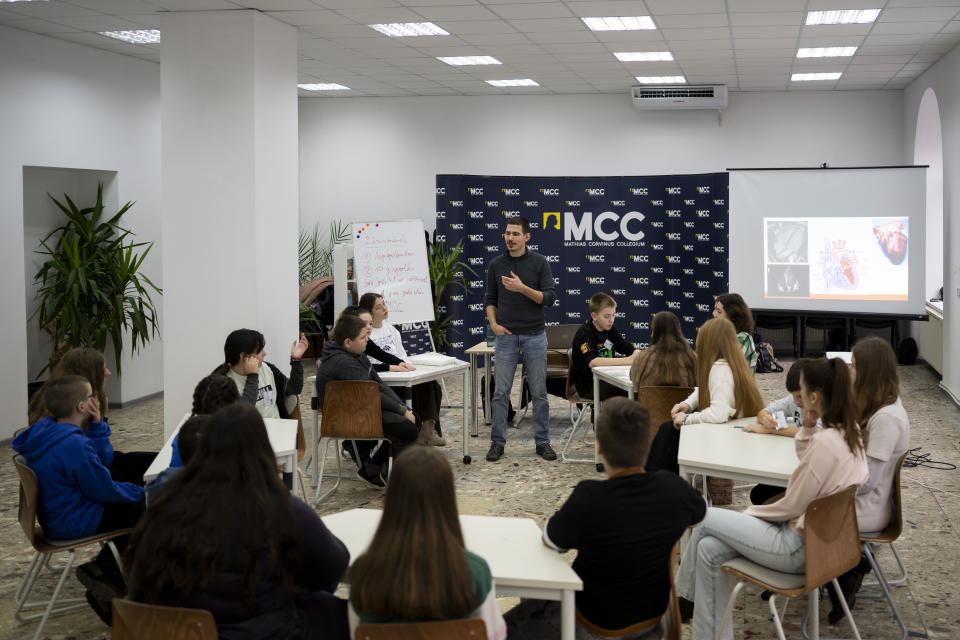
596 396
486 383
568 622
465 433
473 398
316 448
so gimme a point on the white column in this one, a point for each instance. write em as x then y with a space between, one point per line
230 191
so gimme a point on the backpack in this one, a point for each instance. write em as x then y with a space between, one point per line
766 362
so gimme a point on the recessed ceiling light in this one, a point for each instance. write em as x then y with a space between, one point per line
459 61
519 82
409 29
621 23
323 86
826 52
661 80
140 36
806 77
12 1
643 56
843 16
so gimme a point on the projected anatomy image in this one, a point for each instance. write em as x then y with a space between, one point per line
838 258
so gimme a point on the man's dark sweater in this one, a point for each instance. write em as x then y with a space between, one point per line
515 311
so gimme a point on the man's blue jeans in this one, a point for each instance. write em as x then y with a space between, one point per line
509 350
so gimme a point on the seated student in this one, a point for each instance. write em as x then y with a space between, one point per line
426 396
831 460
82 361
792 407
76 495
596 343
226 536
669 361
343 359
187 441
266 388
380 359
734 308
876 387
211 394
416 567
624 529
726 390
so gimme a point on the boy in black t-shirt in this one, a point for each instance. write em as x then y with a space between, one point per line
596 343
624 529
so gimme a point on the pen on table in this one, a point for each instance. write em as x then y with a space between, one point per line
738 426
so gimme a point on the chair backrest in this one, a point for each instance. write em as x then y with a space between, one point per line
138 621
895 527
351 409
571 390
659 400
27 510
463 629
671 618
831 537
560 336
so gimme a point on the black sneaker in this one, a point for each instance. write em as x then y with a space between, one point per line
371 477
103 608
686 609
495 452
546 452
101 583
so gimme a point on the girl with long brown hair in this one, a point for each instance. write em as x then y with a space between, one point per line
417 567
772 535
669 361
725 390
734 308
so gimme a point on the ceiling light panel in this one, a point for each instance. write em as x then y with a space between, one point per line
842 16
140 36
409 29
323 86
460 61
620 23
643 56
809 77
519 82
826 52
661 80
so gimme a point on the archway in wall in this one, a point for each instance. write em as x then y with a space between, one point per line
928 150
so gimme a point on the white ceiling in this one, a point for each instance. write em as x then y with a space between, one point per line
749 45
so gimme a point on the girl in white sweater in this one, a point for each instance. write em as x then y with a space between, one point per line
830 460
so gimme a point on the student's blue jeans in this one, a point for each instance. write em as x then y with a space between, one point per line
510 349
723 535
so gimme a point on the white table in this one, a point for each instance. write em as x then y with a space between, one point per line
846 356
423 373
477 350
522 566
726 451
616 376
282 435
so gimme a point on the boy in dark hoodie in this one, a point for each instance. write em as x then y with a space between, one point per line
343 359
76 495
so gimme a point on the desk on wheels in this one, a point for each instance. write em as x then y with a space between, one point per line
522 566
477 350
282 434
725 451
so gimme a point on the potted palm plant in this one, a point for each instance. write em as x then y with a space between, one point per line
316 265
90 286
446 270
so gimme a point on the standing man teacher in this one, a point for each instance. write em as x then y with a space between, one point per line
519 286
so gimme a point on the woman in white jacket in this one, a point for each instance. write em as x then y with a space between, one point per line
725 390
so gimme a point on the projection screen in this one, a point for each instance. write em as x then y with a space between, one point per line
829 240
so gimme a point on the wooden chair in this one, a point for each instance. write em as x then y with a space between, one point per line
578 412
658 401
671 621
44 549
832 548
888 536
559 339
138 621
351 411
463 629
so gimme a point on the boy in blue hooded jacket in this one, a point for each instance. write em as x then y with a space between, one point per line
76 495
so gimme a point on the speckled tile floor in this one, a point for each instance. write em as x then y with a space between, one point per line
523 485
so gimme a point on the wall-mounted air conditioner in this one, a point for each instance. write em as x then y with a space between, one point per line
713 96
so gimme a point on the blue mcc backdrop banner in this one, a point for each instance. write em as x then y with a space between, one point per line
654 243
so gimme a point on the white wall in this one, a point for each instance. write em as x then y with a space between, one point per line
943 79
376 158
70 106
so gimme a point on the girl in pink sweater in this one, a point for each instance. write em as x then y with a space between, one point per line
771 535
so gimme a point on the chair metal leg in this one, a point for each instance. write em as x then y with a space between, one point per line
885 587
898 581
776 616
813 613
728 612
573 431
323 460
50 607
